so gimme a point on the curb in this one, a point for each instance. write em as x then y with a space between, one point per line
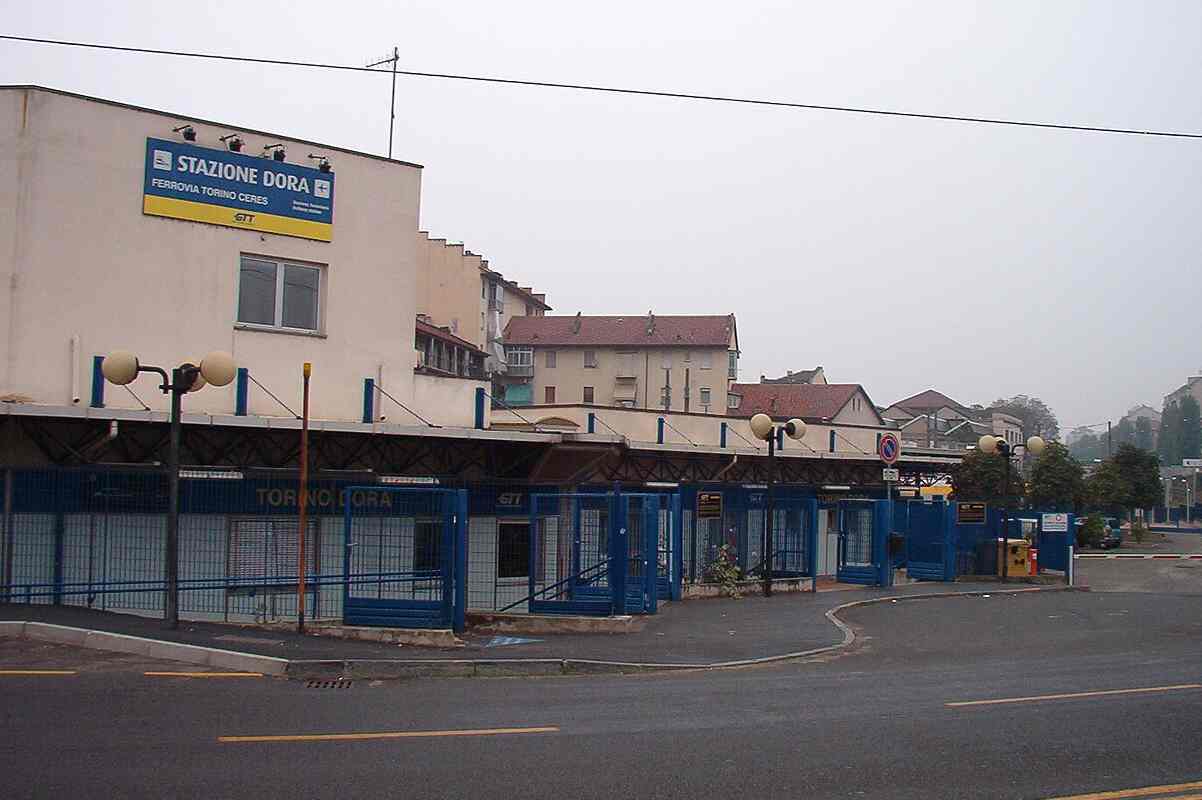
386 669
151 648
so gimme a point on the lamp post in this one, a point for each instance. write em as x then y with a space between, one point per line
762 427
122 367
990 444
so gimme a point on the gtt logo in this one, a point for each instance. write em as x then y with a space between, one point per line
242 217
509 499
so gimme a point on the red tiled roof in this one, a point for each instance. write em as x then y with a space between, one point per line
928 399
446 336
629 331
805 400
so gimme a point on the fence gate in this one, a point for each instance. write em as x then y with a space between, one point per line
863 543
794 536
401 553
570 553
930 541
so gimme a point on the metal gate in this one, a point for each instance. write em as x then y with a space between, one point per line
597 554
930 541
863 537
794 536
402 555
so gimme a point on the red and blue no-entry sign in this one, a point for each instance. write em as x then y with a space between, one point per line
889 449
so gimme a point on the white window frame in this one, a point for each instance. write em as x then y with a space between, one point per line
707 360
732 364
524 356
551 359
704 396
281 267
733 401
586 359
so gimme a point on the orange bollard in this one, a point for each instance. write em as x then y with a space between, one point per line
1033 560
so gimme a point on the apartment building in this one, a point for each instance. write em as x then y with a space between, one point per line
459 292
681 363
931 419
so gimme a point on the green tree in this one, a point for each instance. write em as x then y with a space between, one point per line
1141 470
1037 417
1057 480
1169 447
1129 480
982 476
1191 428
1105 489
1143 434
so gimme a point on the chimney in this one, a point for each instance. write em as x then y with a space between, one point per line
650 322
763 378
576 324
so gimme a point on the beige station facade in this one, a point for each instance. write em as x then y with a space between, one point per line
84 271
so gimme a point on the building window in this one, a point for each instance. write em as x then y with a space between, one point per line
707 360
733 400
549 395
279 295
513 550
588 394
705 397
550 359
590 359
519 356
427 537
688 356
732 361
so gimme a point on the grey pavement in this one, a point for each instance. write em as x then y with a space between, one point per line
872 722
695 632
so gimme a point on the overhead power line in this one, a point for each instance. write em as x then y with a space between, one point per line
610 89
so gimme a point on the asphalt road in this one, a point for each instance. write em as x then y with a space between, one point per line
874 722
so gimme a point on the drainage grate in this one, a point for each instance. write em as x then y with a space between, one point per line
336 684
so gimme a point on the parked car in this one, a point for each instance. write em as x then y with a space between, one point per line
1113 537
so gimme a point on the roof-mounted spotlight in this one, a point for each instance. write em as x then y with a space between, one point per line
233 142
276 150
187 131
323 163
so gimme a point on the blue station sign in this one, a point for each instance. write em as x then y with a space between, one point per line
219 187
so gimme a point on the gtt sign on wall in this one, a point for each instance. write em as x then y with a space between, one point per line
219 187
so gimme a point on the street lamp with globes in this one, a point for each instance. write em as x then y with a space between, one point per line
217 368
990 444
762 427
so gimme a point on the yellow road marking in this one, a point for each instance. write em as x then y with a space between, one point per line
342 737
1073 695
1145 791
37 672
203 674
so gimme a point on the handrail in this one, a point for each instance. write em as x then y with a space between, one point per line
545 589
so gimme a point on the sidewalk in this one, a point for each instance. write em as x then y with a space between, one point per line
695 633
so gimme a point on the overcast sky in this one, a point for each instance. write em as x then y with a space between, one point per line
900 254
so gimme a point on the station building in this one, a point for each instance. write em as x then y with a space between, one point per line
125 228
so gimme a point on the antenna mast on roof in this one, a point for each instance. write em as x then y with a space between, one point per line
392 59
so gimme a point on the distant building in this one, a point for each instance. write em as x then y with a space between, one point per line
458 291
1193 386
683 363
441 352
813 376
932 419
843 403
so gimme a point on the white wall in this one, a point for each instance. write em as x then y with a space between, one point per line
85 261
444 401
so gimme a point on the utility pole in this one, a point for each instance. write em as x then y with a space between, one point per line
1108 438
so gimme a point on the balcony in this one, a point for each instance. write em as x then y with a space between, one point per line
514 371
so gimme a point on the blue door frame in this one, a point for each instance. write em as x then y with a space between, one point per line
380 588
864 543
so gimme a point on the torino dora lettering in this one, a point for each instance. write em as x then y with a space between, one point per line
324 498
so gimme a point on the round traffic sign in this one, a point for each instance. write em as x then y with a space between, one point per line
889 449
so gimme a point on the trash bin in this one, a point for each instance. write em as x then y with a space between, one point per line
1015 555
